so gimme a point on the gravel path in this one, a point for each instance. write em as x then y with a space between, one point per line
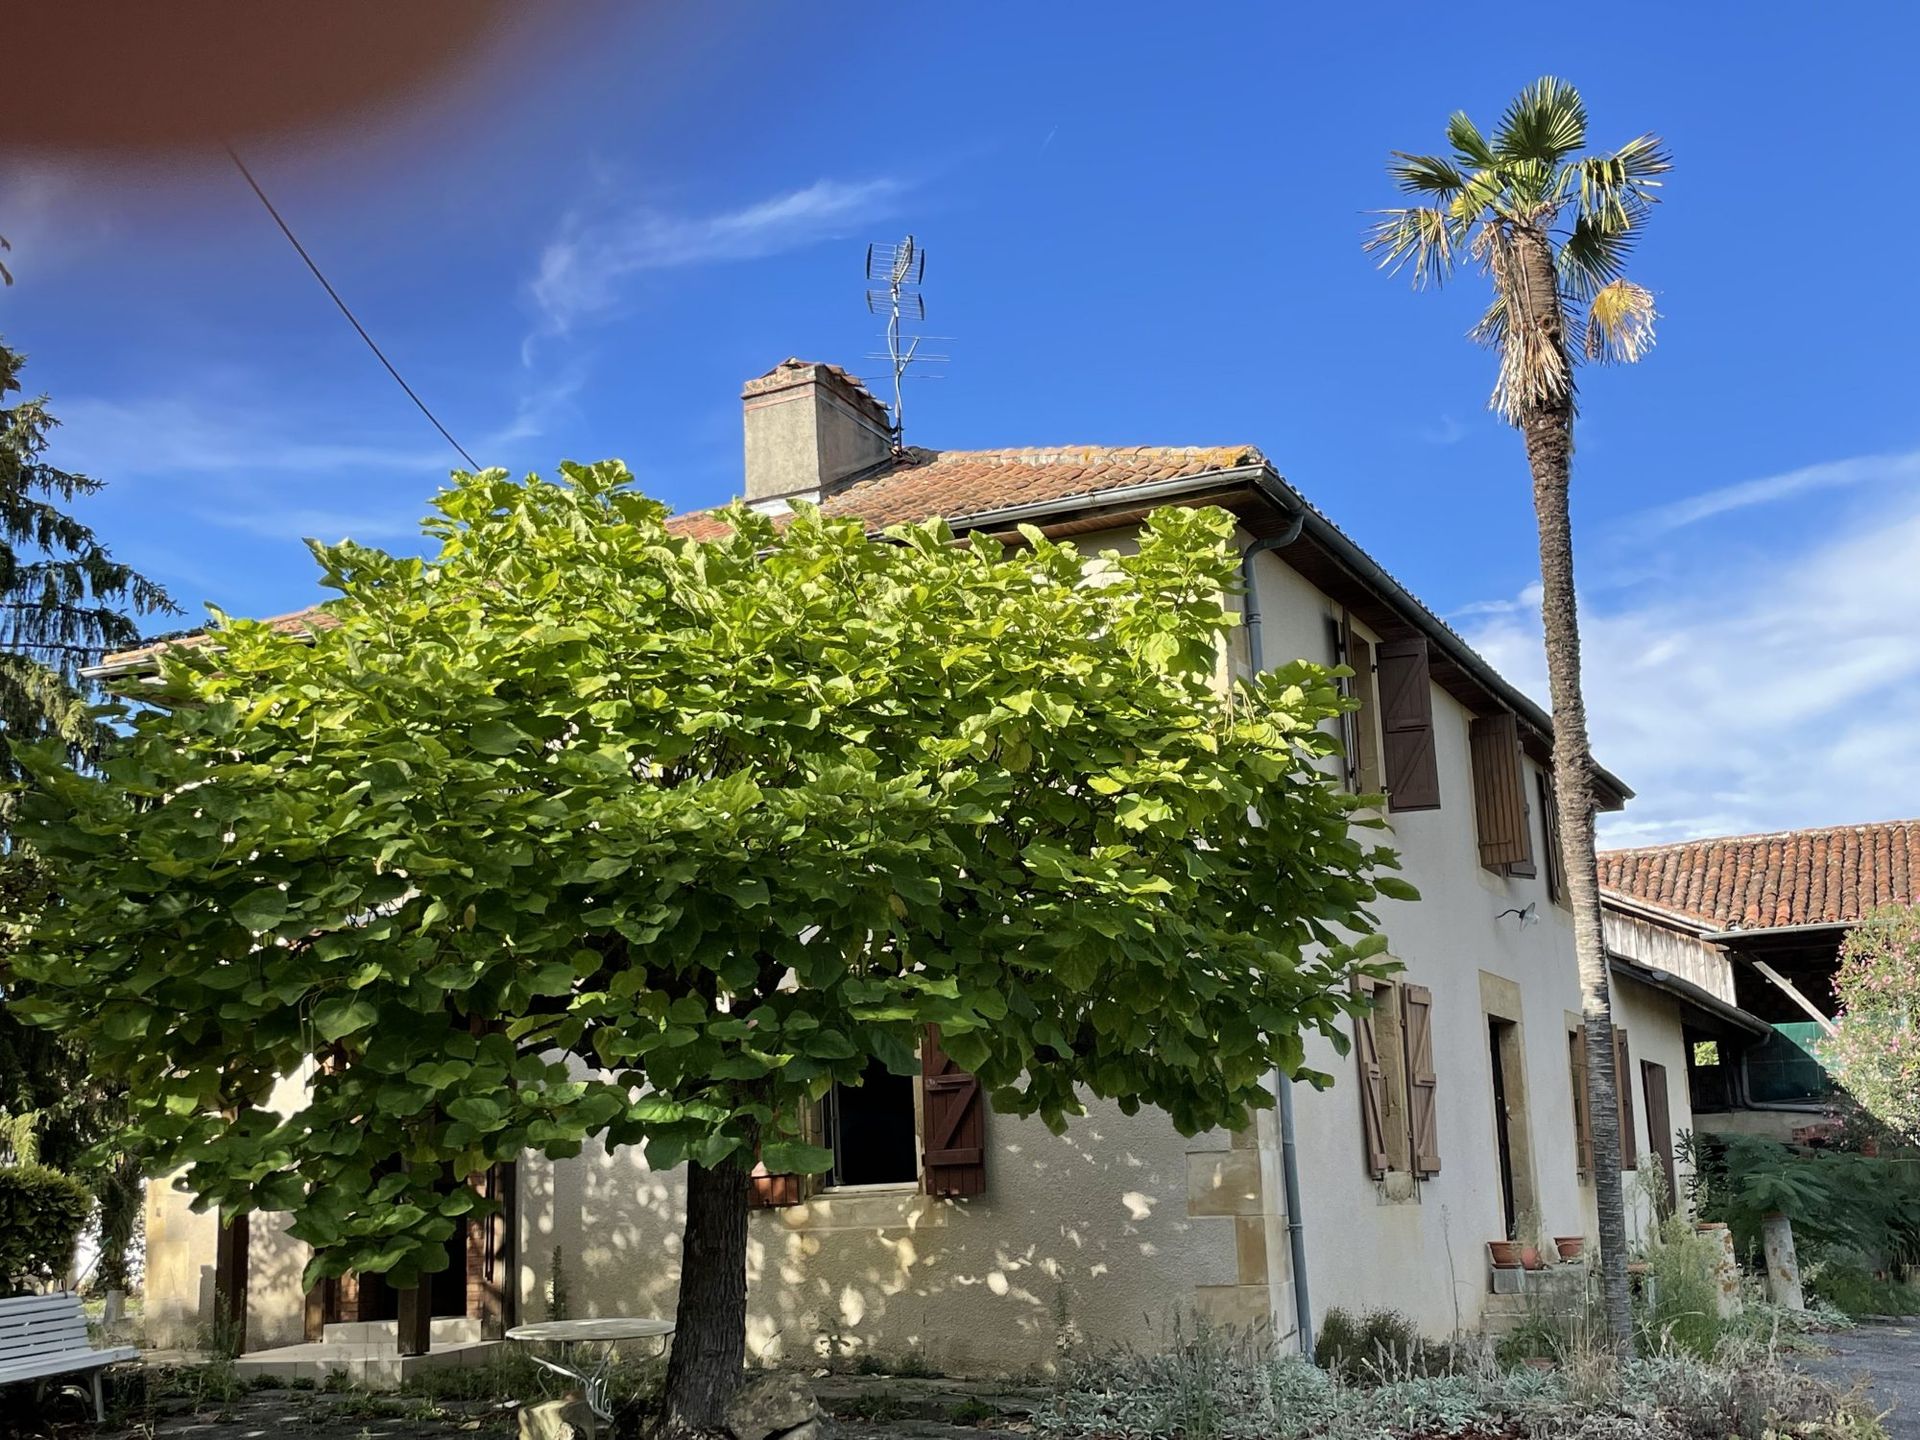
1887 1357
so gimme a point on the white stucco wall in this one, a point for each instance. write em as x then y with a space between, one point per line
1086 1234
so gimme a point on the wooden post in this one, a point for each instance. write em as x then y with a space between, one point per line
416 1318
230 1286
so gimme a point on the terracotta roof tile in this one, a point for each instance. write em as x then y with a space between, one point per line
294 622
960 484
1792 877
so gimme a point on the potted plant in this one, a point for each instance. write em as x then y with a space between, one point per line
1505 1254
1570 1247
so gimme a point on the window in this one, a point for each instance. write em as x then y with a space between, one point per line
1398 1113
870 1129
895 1130
1500 794
1359 729
1622 1100
1550 826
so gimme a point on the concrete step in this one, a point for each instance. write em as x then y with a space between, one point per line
447 1330
373 1366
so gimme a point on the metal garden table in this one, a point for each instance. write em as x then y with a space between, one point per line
569 1335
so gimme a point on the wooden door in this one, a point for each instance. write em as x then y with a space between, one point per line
1653 1080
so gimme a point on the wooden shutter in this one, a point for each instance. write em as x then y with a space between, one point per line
953 1120
1500 793
1550 827
1582 1113
772 1192
1422 1083
490 1263
1406 726
1623 1099
1373 1125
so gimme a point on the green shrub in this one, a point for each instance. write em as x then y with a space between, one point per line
1683 1312
1373 1346
1850 1287
41 1212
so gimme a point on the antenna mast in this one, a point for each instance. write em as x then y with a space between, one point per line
894 273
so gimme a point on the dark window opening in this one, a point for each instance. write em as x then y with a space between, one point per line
1497 1033
870 1127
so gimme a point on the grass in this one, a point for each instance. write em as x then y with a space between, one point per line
1218 1385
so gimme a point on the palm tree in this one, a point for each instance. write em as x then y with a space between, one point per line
1551 228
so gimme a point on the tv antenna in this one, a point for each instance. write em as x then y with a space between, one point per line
894 273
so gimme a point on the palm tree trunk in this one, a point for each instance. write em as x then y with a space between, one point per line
710 1322
1546 421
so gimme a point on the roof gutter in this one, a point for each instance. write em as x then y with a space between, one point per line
1689 993
1767 932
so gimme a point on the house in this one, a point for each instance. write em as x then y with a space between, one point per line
987 1244
1774 909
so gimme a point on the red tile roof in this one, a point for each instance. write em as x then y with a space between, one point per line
294 622
961 484
1793 877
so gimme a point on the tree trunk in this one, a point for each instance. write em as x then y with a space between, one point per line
710 1324
1546 421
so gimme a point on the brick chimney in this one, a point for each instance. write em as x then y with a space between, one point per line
809 428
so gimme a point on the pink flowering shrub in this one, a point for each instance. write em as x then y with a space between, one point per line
1875 1052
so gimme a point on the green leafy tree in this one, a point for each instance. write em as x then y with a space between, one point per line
1551 229
581 828
63 599
1874 1050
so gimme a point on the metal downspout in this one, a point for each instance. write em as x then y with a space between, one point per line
1283 1084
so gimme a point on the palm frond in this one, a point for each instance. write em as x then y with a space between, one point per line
1546 122
1422 236
1425 175
1594 254
1619 187
1470 147
1620 323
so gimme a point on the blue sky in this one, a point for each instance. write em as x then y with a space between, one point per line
1143 225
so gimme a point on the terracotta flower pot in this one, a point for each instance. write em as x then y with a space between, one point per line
1530 1257
1505 1254
1570 1246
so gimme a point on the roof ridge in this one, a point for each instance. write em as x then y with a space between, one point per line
1668 845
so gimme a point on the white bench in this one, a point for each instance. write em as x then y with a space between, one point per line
46 1335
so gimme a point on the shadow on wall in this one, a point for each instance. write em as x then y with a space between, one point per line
1085 1237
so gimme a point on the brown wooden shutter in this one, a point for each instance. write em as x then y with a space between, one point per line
1500 793
490 1238
1373 1126
1550 827
1582 1114
772 1192
1406 725
953 1117
1623 1097
1422 1083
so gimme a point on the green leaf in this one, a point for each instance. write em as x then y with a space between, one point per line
261 909
495 737
341 1015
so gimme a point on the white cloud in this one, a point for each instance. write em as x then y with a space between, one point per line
582 267
276 470
1738 696
1831 475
